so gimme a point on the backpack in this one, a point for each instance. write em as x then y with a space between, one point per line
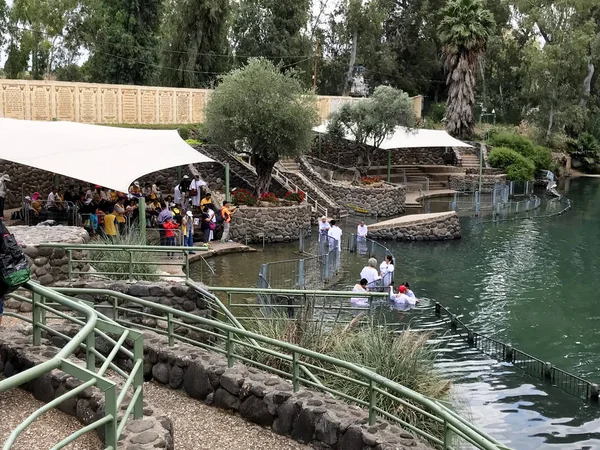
219 216
14 268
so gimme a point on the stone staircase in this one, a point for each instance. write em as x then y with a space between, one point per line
413 176
470 161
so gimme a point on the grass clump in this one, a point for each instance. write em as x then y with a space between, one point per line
116 261
405 358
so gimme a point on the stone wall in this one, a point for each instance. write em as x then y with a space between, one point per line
387 200
268 400
470 182
418 227
50 265
276 224
343 153
153 431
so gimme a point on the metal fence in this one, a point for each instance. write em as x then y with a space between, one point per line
129 262
542 370
380 396
67 213
47 303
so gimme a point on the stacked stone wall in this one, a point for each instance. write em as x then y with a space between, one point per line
273 224
424 227
387 200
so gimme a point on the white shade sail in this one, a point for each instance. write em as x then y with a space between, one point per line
405 138
108 156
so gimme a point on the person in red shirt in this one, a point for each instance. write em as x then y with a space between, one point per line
169 226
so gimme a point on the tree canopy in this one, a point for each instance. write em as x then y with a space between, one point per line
264 112
372 120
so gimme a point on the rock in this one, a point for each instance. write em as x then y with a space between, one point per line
137 426
176 377
178 290
156 291
188 305
232 380
286 415
225 400
255 410
304 426
139 290
196 381
369 439
352 439
26 307
41 261
327 430
145 437
160 372
46 280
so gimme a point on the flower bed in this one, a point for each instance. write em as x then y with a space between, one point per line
371 181
246 198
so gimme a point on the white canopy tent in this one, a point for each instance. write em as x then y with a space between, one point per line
406 138
108 156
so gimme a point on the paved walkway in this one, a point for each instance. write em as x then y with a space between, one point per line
412 198
410 219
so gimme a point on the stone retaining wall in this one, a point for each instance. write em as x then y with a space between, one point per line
50 265
470 182
388 200
276 224
342 152
154 431
418 227
268 400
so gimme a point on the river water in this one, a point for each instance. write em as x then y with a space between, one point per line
531 283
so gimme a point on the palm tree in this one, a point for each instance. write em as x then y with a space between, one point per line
464 31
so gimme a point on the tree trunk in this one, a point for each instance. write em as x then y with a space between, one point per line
587 86
263 173
348 84
363 160
550 122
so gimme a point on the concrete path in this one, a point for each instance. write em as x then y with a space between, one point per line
412 198
409 220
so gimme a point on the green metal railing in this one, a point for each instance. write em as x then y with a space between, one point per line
127 267
46 304
227 339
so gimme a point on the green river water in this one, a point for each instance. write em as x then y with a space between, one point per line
532 283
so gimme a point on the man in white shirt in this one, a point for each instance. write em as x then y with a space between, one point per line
323 228
196 187
362 230
369 272
335 234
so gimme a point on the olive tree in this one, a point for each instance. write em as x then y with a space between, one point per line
265 110
370 121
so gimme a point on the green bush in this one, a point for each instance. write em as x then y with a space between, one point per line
436 113
521 170
518 143
542 158
516 165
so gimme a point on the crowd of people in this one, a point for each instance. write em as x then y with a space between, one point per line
109 213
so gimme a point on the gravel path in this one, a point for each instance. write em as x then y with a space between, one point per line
201 427
16 405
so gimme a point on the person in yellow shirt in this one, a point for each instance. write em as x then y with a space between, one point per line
135 190
119 212
110 224
226 213
206 201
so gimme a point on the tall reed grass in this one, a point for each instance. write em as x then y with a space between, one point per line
406 358
116 262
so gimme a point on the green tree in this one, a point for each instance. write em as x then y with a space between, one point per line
275 30
194 42
122 36
372 120
265 112
464 32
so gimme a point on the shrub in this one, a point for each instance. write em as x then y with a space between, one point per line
268 197
295 196
436 113
114 261
521 170
243 197
516 142
193 142
405 358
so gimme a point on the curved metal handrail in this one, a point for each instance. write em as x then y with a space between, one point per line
92 324
451 421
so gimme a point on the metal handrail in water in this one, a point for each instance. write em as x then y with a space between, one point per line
92 325
453 425
544 371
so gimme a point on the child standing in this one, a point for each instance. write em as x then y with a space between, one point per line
169 226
